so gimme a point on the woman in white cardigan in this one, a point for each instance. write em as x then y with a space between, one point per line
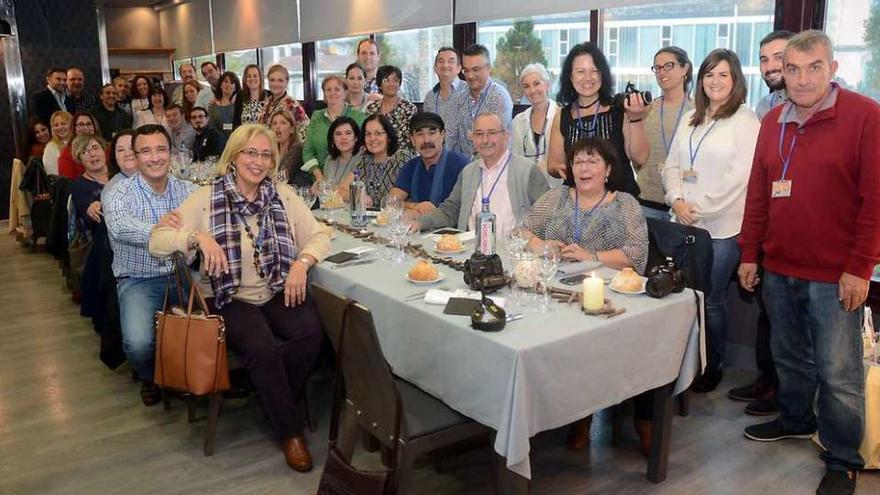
705 177
531 127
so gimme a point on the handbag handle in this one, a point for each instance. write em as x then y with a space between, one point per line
195 294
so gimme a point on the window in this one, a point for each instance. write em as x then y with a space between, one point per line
333 56
634 34
549 38
175 66
854 28
290 56
238 60
198 61
413 52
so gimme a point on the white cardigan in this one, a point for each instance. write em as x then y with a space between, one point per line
723 165
523 144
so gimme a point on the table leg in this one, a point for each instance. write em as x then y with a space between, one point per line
506 481
659 459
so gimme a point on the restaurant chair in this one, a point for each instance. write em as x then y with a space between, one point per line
372 393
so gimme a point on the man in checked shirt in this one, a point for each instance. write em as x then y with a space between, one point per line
134 208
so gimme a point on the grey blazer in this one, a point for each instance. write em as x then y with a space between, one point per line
525 184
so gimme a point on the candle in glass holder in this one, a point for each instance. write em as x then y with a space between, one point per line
594 293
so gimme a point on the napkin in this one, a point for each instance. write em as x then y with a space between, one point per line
570 268
441 297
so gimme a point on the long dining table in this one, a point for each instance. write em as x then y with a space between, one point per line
539 373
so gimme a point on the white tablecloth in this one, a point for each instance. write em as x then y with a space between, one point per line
539 373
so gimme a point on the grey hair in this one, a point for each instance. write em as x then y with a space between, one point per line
536 68
806 41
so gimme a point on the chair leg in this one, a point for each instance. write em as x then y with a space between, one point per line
190 408
213 416
405 462
683 404
617 415
166 400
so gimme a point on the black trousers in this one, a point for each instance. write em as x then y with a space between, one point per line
279 347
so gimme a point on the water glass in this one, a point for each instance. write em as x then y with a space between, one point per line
548 266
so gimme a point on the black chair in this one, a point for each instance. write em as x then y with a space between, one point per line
372 393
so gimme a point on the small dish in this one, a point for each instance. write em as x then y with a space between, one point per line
621 291
440 277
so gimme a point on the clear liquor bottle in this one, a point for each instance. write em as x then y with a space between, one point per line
485 229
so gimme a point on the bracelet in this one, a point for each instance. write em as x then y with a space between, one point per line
595 255
192 241
306 262
633 121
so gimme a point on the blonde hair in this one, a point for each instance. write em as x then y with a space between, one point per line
278 68
81 142
288 116
334 77
239 139
63 116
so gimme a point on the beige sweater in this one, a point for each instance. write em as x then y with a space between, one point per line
311 238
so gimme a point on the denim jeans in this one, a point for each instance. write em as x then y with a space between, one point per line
655 213
139 299
818 345
725 258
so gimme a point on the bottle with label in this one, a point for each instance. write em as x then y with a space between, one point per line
356 194
485 229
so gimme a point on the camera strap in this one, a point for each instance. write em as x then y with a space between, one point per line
497 320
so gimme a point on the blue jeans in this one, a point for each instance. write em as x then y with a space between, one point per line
818 345
655 213
725 258
139 299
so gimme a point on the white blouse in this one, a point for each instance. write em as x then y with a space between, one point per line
50 158
523 144
721 168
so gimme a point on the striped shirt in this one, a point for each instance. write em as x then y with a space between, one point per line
463 110
131 211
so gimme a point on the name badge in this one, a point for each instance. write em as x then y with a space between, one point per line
227 126
781 189
689 176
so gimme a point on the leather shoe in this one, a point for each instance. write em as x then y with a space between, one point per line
645 430
765 405
752 391
297 454
708 381
579 434
150 393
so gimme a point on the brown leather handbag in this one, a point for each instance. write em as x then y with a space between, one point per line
190 345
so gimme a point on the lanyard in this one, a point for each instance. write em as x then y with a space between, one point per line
489 196
668 144
592 129
541 143
577 212
786 160
475 112
340 170
694 152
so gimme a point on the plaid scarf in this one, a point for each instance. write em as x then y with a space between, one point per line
278 247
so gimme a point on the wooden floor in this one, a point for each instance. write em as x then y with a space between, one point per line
68 425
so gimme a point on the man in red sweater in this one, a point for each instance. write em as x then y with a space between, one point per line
812 220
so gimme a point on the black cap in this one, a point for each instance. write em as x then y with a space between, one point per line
426 119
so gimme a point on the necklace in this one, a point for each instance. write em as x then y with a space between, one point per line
587 105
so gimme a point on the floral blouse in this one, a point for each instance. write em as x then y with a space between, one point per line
399 117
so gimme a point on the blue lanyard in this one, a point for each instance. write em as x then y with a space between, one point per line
592 128
475 112
694 152
668 144
786 160
489 196
577 214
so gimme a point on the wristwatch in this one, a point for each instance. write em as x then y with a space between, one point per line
192 241
305 261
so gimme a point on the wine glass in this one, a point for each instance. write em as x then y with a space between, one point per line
399 229
307 195
327 195
548 266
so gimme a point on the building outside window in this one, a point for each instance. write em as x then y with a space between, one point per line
413 52
236 61
854 28
289 56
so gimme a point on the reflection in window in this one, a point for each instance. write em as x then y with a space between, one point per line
633 34
854 28
176 67
515 43
238 60
290 56
333 56
413 51
198 61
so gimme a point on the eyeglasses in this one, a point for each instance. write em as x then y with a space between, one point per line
370 134
253 154
587 162
668 66
391 79
159 150
485 134
474 70
84 124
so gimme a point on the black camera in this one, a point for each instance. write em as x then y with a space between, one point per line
631 89
484 273
664 279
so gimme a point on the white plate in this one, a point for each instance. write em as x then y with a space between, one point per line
619 291
440 277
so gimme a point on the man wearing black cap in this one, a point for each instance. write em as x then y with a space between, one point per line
426 180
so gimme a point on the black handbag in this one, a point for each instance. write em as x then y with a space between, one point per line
339 476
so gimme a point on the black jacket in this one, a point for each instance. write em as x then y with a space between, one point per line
209 142
45 105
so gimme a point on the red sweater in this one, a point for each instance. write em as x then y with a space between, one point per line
831 222
67 166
